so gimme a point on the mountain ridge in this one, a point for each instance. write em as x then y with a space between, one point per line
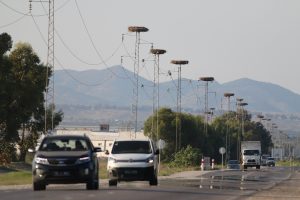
116 88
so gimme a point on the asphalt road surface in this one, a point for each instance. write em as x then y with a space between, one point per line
266 183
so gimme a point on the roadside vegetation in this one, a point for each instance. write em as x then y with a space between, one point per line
193 143
22 88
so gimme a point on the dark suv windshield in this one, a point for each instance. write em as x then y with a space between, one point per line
64 144
121 147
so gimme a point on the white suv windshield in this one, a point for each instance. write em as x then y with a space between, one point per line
121 147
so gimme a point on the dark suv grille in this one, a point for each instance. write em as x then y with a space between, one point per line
58 161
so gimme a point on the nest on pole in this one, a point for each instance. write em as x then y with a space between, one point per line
137 29
228 94
242 104
207 78
260 116
180 62
158 51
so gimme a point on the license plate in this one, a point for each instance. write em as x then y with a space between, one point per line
133 172
61 173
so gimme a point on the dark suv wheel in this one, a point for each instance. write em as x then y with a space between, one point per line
38 186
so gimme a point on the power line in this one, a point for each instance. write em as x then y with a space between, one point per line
81 60
66 46
91 40
65 70
13 22
28 14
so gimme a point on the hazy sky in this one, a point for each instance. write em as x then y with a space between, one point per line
226 39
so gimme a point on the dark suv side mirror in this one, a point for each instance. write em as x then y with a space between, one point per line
157 152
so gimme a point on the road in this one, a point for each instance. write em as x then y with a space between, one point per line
267 183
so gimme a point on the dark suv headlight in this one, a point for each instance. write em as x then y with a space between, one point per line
83 160
40 160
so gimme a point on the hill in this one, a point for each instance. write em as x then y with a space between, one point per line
114 87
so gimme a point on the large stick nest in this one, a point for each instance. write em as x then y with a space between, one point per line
207 78
228 94
242 104
158 51
137 29
180 62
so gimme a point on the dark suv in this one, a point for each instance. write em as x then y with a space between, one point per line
64 159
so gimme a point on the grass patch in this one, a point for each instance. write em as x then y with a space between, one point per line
16 178
166 170
102 168
288 163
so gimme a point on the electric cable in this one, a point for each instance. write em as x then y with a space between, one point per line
65 70
13 22
28 14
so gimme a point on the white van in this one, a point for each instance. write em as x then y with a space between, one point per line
133 160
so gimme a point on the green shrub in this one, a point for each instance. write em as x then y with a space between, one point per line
7 152
186 157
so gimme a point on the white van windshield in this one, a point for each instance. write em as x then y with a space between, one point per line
122 147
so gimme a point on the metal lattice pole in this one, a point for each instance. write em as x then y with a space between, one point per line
49 93
227 137
178 114
137 30
156 53
206 112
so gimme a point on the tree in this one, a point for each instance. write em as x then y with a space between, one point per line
22 88
191 132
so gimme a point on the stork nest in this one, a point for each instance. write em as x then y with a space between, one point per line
158 51
137 29
228 94
207 78
180 62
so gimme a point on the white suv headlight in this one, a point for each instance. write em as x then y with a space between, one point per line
150 159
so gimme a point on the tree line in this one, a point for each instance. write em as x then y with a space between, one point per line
22 96
221 130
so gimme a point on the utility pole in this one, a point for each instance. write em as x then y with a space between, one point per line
156 53
206 112
178 114
241 106
49 100
137 30
227 95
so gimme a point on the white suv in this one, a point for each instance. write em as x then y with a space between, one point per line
133 160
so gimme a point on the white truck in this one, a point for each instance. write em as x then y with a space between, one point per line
251 154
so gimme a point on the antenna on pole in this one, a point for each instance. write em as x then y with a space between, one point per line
178 113
137 30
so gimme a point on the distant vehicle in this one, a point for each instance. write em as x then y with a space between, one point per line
233 164
133 160
62 159
251 151
271 162
264 158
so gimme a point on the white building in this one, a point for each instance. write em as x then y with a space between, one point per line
102 139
